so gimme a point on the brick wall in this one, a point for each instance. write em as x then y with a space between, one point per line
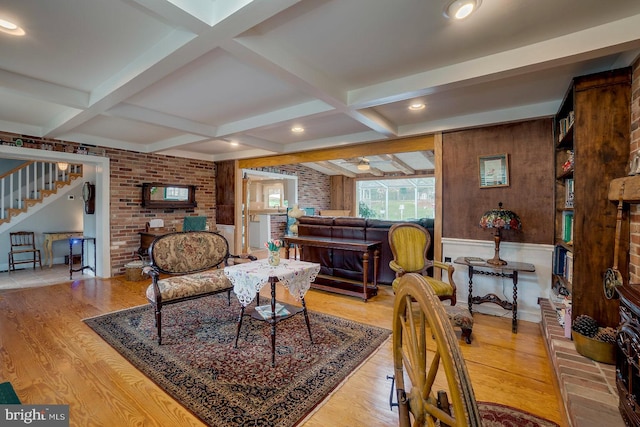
128 171
634 247
314 188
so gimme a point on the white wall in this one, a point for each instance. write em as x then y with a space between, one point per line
531 286
59 215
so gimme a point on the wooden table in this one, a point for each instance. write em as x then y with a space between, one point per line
53 236
146 238
366 247
83 266
509 270
248 278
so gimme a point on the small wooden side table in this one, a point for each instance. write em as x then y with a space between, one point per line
509 270
83 266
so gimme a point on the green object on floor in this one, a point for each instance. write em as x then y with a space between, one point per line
8 395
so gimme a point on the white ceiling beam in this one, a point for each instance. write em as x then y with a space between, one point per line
613 37
132 112
42 91
526 112
337 141
374 172
275 116
336 168
178 49
398 164
271 58
183 14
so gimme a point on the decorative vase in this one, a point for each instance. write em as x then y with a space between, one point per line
274 258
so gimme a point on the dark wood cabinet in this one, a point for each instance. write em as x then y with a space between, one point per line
592 123
628 354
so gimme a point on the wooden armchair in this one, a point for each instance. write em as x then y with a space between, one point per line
409 243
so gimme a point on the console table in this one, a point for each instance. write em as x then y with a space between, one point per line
345 287
147 237
51 237
509 270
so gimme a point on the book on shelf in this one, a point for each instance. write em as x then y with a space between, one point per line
565 124
474 260
559 257
569 185
265 311
568 270
567 226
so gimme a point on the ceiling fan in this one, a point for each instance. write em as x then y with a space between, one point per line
361 163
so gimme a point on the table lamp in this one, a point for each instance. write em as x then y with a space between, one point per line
499 219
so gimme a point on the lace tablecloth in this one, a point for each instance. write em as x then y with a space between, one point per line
250 277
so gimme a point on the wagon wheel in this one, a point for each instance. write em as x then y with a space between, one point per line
420 322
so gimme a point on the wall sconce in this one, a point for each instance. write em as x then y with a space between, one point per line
63 166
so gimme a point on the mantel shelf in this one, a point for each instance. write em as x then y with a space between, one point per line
631 192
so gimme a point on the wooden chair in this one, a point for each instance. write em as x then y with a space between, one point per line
23 242
409 243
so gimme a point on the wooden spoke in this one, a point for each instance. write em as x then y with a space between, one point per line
417 309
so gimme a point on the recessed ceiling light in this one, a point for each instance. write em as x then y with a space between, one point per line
460 9
416 106
9 27
297 129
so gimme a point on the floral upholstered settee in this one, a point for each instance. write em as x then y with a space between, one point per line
194 262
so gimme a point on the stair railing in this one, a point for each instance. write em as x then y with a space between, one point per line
28 180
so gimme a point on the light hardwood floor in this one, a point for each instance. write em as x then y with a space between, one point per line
52 357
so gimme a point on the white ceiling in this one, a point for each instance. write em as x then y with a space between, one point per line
187 77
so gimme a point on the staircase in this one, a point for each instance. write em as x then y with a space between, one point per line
30 186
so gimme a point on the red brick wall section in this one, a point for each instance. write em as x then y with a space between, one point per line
634 247
128 171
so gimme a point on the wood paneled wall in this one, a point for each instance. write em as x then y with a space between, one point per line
342 193
225 192
530 150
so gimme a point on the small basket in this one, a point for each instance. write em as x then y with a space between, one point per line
599 351
133 272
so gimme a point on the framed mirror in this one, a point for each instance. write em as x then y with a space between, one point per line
175 196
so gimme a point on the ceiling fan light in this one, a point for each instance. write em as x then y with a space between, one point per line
460 9
363 166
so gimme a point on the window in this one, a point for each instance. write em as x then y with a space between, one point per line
396 198
274 194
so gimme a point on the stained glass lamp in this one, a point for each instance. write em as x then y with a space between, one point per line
499 219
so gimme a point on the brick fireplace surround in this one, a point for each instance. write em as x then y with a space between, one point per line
588 388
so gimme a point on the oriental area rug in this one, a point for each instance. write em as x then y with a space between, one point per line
198 365
497 415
